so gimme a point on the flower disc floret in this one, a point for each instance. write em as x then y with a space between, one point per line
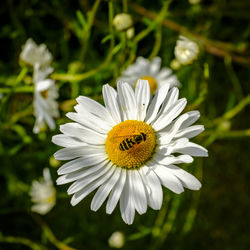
122 148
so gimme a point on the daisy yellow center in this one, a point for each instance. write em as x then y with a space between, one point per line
44 93
130 144
152 82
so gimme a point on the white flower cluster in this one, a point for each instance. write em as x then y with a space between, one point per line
122 21
45 91
43 194
186 51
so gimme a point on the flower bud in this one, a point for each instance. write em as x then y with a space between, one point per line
122 21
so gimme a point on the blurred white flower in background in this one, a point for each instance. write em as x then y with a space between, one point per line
186 50
45 105
116 240
45 90
33 53
151 71
43 194
122 21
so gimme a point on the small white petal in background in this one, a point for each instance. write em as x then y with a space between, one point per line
130 33
116 240
186 50
43 194
45 95
150 71
33 53
122 21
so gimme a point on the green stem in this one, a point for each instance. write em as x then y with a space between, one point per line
158 41
234 79
18 89
125 5
227 134
234 111
87 32
80 77
50 235
191 214
170 219
21 75
158 20
156 231
21 240
167 227
240 106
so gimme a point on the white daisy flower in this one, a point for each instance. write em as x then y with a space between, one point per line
43 194
150 71
122 21
128 148
186 51
45 105
33 53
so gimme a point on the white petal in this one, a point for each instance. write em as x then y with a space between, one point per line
127 100
49 120
188 180
110 100
85 181
138 191
190 132
167 117
193 117
168 160
191 149
126 203
95 108
74 152
116 192
170 100
67 141
171 147
153 187
164 73
76 175
77 197
142 95
80 163
168 179
44 85
156 103
90 121
103 191
83 133
155 66
166 135
172 80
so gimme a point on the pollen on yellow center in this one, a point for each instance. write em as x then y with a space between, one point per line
152 83
130 144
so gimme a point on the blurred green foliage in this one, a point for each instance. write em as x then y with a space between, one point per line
88 53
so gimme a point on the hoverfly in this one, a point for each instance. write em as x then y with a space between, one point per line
129 142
